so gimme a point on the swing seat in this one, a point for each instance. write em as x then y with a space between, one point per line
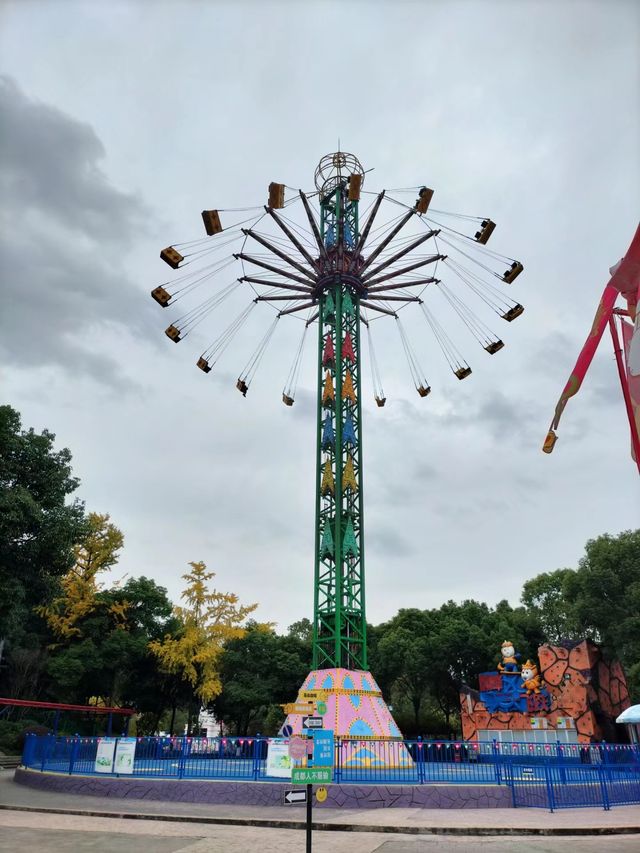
242 386
380 401
513 272
424 391
276 195
512 313
172 257
161 296
355 183
493 347
463 372
487 228
287 400
212 224
203 364
424 200
173 333
549 442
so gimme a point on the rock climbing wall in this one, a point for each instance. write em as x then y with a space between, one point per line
582 684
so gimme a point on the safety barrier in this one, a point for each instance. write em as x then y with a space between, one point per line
549 775
554 785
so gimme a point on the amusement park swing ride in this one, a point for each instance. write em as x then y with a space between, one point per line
317 256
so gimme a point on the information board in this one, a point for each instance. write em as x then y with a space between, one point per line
125 755
104 755
323 748
278 760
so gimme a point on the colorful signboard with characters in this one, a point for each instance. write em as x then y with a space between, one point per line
574 687
514 689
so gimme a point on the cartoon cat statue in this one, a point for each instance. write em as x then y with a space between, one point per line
510 657
531 680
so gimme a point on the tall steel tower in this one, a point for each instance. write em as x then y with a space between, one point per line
340 633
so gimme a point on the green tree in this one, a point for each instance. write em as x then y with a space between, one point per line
599 600
403 655
422 658
259 671
39 524
107 658
546 596
302 629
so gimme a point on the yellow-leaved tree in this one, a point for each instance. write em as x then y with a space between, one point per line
208 619
97 552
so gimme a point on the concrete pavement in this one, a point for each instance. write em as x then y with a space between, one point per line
55 833
624 819
61 823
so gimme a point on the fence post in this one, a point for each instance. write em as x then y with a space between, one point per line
257 754
183 743
28 749
421 767
550 793
46 752
561 762
75 748
497 761
337 770
606 804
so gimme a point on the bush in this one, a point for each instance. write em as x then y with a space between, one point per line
12 734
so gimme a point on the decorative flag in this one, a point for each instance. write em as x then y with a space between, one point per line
328 438
329 309
328 356
349 544
347 349
349 476
326 546
327 395
348 432
347 305
327 487
348 392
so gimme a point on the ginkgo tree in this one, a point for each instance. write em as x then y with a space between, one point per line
95 553
209 619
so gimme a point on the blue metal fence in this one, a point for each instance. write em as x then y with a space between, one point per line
554 785
540 775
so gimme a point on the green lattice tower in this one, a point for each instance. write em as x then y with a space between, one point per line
339 635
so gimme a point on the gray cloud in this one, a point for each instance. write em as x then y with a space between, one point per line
49 166
65 230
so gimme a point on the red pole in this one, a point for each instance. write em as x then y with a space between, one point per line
635 439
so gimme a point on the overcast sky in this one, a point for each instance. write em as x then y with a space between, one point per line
123 120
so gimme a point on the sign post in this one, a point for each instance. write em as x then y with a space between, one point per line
309 816
319 769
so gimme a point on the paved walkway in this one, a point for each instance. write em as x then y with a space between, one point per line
18 800
54 833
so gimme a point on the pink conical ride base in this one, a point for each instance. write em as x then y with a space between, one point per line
359 716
